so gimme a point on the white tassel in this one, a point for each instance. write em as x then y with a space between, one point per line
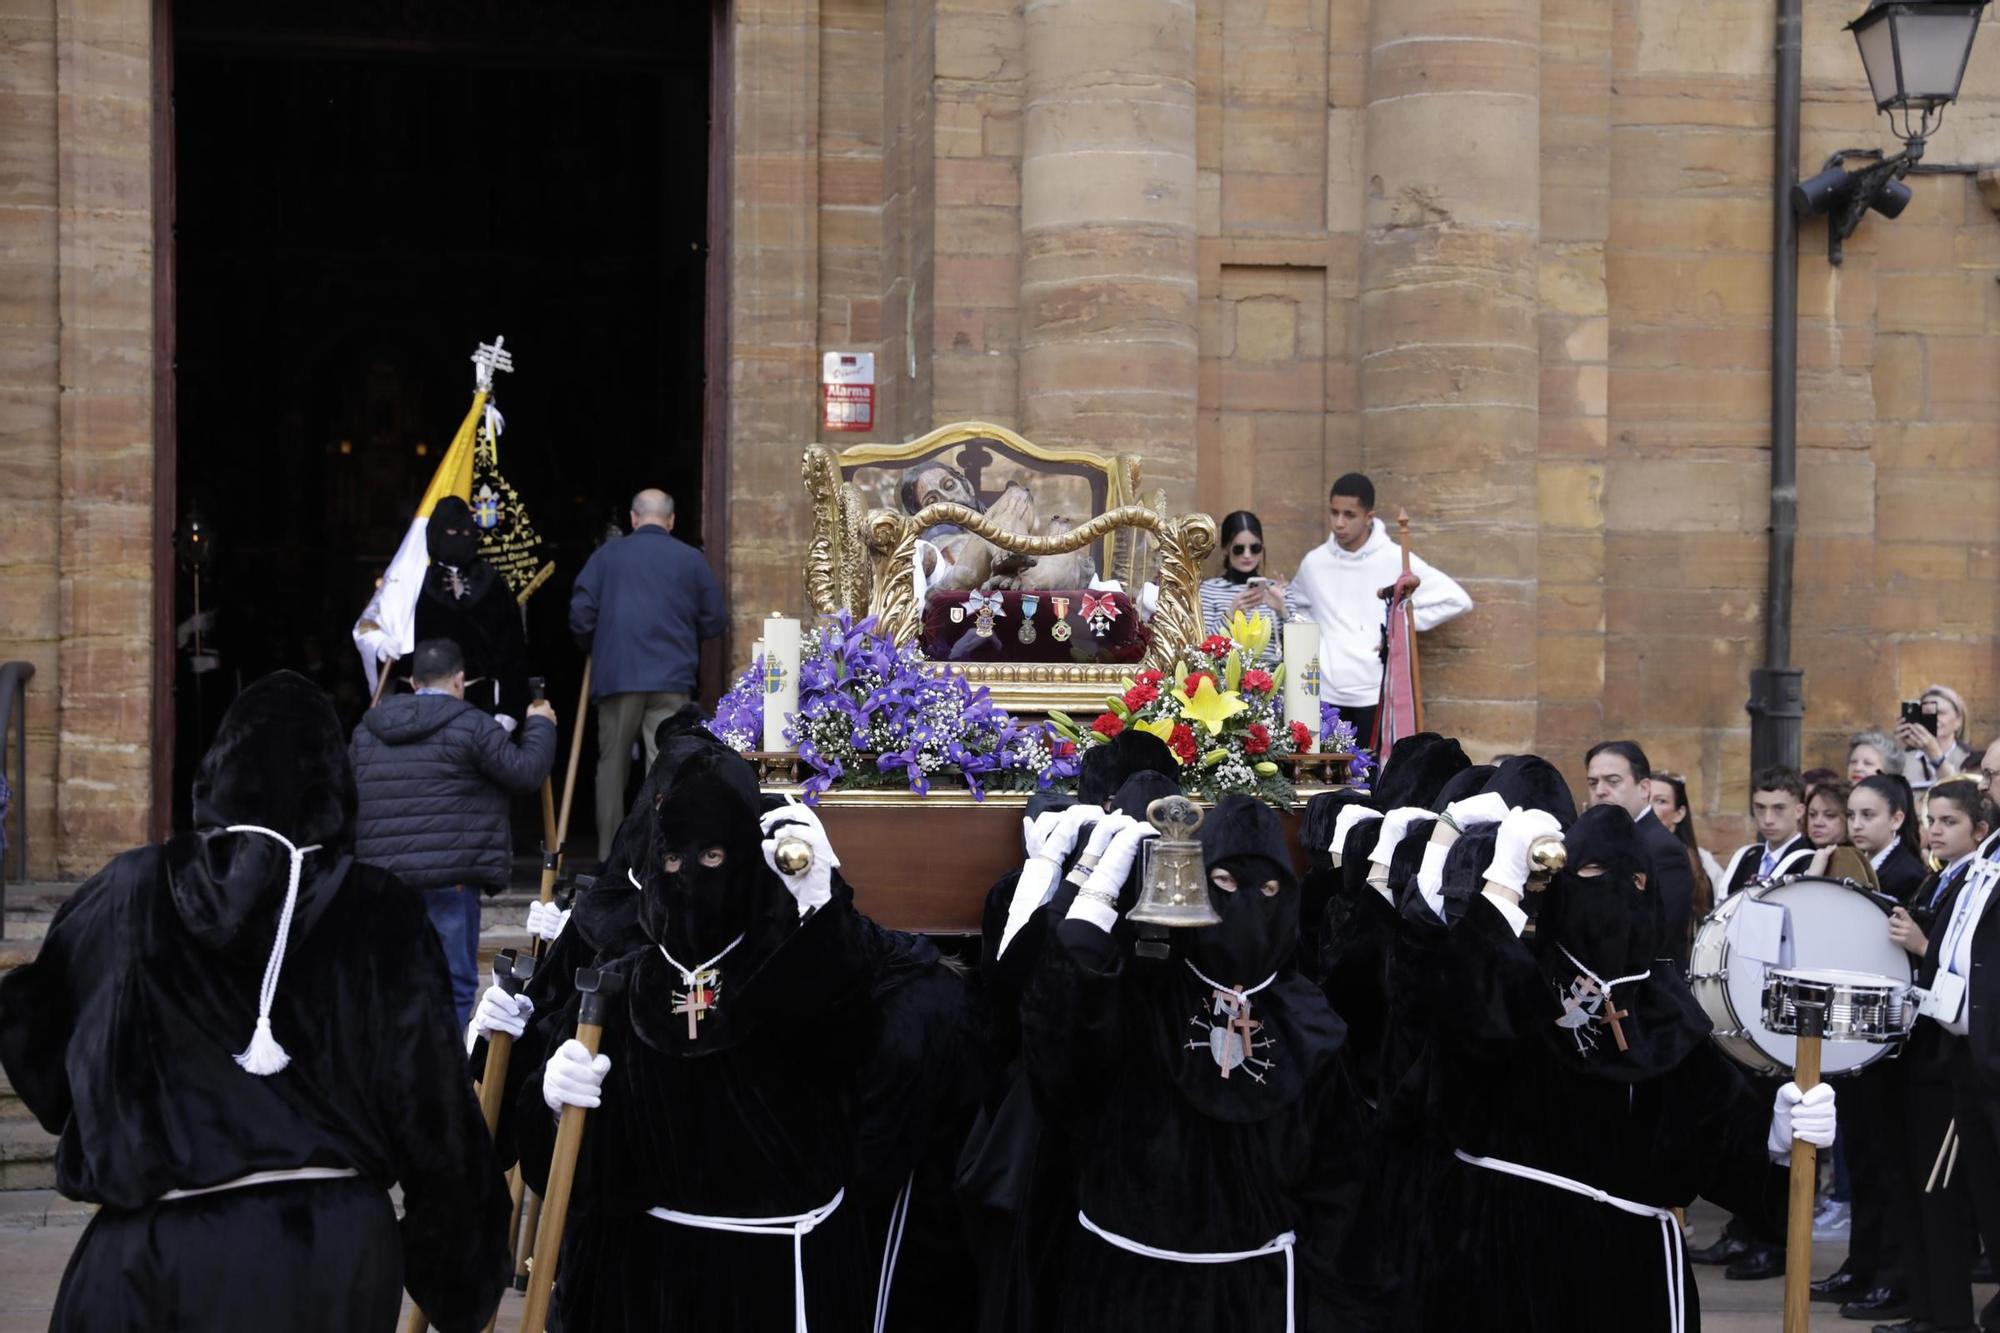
264 1056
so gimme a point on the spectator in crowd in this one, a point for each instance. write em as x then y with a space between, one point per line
1826 813
1619 775
1670 807
1989 769
1932 758
641 608
1882 825
434 776
1872 752
1341 584
1243 586
1778 804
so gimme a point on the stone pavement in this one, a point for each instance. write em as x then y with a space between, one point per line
38 1231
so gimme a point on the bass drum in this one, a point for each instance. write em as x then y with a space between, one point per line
1830 925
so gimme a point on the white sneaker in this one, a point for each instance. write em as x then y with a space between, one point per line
1832 1220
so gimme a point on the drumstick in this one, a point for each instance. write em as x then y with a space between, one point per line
1805 1177
1945 1146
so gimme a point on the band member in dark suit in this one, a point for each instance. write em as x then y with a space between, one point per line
1882 824
1778 802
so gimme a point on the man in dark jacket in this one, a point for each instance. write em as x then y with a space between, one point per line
641 607
434 776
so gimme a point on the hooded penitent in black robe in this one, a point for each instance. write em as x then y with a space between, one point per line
1169 1153
465 600
1658 1123
751 1117
121 1036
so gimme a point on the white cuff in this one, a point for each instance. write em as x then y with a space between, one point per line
1430 875
1517 920
1035 887
1097 912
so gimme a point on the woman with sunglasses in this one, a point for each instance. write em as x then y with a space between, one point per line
1243 586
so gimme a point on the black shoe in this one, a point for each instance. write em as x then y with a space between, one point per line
1879 1303
1758 1264
1726 1250
1843 1284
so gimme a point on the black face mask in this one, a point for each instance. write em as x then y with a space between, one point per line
696 910
1610 921
450 534
1257 935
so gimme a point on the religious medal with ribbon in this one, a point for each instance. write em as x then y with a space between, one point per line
1060 631
985 608
1098 612
1030 603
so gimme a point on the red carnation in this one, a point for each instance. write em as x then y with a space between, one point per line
1108 725
1194 680
1140 695
1257 682
1150 677
1182 743
1258 740
1217 645
1302 738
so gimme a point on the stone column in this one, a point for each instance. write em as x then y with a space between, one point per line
1109 355
1450 359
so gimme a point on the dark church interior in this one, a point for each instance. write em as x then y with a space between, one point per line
363 194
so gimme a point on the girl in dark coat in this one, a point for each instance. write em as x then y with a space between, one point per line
246 1187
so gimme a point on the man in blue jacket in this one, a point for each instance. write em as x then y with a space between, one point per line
641 607
434 777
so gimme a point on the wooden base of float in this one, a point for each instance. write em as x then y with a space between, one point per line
925 863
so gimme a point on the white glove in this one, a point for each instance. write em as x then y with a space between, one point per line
498 1012
804 817
1344 823
1430 875
546 920
1107 827
507 723
1052 835
1116 863
812 887
1806 1116
1394 825
574 1077
1488 807
1518 831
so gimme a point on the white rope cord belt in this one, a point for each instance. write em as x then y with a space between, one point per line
265 1178
892 1248
798 1226
1670 1228
1283 1244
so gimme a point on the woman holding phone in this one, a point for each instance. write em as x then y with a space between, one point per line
1930 736
1243 586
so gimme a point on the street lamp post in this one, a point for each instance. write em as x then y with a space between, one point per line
1915 53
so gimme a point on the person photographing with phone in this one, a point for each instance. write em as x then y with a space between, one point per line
1930 732
1244 586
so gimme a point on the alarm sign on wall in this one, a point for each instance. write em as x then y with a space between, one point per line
847 381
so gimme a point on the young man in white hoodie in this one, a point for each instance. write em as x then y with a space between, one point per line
1341 584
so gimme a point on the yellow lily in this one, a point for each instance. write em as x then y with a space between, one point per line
1209 706
1252 634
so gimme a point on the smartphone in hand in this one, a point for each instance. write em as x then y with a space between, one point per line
1921 714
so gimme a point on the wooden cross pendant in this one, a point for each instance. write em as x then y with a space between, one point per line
1240 1027
1612 1013
696 1001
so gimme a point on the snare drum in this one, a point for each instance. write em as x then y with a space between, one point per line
1832 927
1854 1006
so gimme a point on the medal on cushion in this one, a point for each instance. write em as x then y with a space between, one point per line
1098 612
958 614
1030 603
703 993
985 606
1060 631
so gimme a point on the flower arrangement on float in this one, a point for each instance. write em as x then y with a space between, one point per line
875 715
1224 721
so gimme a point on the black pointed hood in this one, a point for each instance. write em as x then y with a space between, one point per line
1530 782
1417 769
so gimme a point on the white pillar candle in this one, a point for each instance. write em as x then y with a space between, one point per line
781 678
1302 675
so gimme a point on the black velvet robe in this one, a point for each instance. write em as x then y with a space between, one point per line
1501 1253
120 1037
756 1118
1105 1047
486 626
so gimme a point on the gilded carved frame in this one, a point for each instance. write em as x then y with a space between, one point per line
862 562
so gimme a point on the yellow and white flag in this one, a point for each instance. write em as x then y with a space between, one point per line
387 629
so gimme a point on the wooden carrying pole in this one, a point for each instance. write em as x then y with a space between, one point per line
1410 621
596 988
510 974
1805 1179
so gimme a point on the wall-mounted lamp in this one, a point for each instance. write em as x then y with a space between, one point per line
1915 53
